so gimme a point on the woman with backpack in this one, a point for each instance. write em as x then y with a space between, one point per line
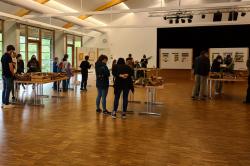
102 83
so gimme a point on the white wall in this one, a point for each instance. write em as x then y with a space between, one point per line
10 35
59 44
135 41
137 33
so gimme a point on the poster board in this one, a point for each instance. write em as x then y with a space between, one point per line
176 58
239 55
93 54
84 51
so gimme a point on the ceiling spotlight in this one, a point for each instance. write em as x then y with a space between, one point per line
177 21
190 20
170 21
243 14
203 16
183 20
165 18
233 15
217 16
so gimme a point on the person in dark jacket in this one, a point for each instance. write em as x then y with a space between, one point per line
247 101
123 84
102 83
20 66
33 65
230 63
55 70
216 67
85 66
201 71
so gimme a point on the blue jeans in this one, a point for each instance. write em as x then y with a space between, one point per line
7 86
66 84
101 94
117 98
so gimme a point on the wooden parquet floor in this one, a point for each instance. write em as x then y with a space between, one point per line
188 133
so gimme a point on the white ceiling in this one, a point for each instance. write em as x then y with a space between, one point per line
70 6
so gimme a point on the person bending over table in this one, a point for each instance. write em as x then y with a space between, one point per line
123 84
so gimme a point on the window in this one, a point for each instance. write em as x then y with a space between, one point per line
39 42
47 58
72 42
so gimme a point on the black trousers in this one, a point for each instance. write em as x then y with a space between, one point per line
84 81
248 91
118 92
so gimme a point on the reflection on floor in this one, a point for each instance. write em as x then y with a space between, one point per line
67 131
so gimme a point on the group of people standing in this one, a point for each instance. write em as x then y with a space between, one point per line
201 71
63 66
123 84
12 64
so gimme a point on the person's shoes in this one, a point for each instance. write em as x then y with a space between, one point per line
246 102
81 89
124 115
13 99
106 112
113 115
98 110
9 106
85 89
194 98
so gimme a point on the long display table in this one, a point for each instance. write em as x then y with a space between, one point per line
212 80
38 87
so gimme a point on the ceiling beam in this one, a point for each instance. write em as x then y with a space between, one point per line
100 8
203 7
23 12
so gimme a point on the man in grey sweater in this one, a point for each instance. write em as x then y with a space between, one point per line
247 101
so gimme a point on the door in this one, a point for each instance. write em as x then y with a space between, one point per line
70 52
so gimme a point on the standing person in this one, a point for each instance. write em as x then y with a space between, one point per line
66 67
230 63
33 65
7 75
114 63
20 66
85 66
216 67
247 101
102 83
201 71
55 70
130 61
130 58
14 62
123 84
144 61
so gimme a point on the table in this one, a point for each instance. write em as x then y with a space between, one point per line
151 99
211 80
38 89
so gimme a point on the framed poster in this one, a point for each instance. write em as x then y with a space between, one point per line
239 55
176 58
